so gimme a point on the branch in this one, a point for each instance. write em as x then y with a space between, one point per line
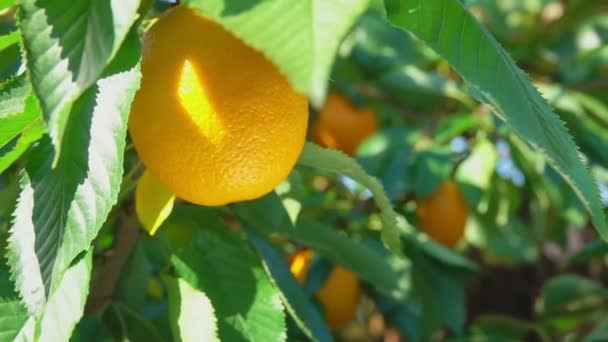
112 263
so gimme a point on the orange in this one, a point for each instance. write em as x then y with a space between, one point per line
299 262
339 296
443 214
342 126
214 120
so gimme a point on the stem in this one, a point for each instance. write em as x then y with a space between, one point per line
121 307
111 264
121 321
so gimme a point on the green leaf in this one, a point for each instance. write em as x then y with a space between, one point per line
19 131
297 302
60 211
221 265
501 326
421 85
387 155
302 40
389 275
441 294
432 167
12 96
512 241
457 36
67 45
568 292
335 161
12 317
9 39
64 308
20 121
190 311
593 105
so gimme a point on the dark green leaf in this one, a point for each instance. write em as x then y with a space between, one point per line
221 265
431 168
569 292
296 300
390 275
504 327
335 161
599 332
596 248
441 294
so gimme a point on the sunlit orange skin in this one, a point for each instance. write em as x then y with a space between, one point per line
214 120
342 126
443 214
339 296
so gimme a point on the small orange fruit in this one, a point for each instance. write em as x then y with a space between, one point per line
342 126
339 296
443 214
214 120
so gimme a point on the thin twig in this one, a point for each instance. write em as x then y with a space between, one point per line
104 283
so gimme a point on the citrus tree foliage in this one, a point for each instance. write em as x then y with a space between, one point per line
77 266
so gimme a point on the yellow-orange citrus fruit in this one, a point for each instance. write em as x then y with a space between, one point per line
214 120
299 262
339 296
342 126
443 214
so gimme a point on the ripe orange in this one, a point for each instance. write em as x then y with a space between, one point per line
340 125
443 214
339 296
214 120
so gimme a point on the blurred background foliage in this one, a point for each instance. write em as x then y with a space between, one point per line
526 266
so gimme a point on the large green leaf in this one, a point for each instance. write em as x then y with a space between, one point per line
190 311
12 317
296 300
64 308
302 40
60 211
495 79
221 265
335 161
67 45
